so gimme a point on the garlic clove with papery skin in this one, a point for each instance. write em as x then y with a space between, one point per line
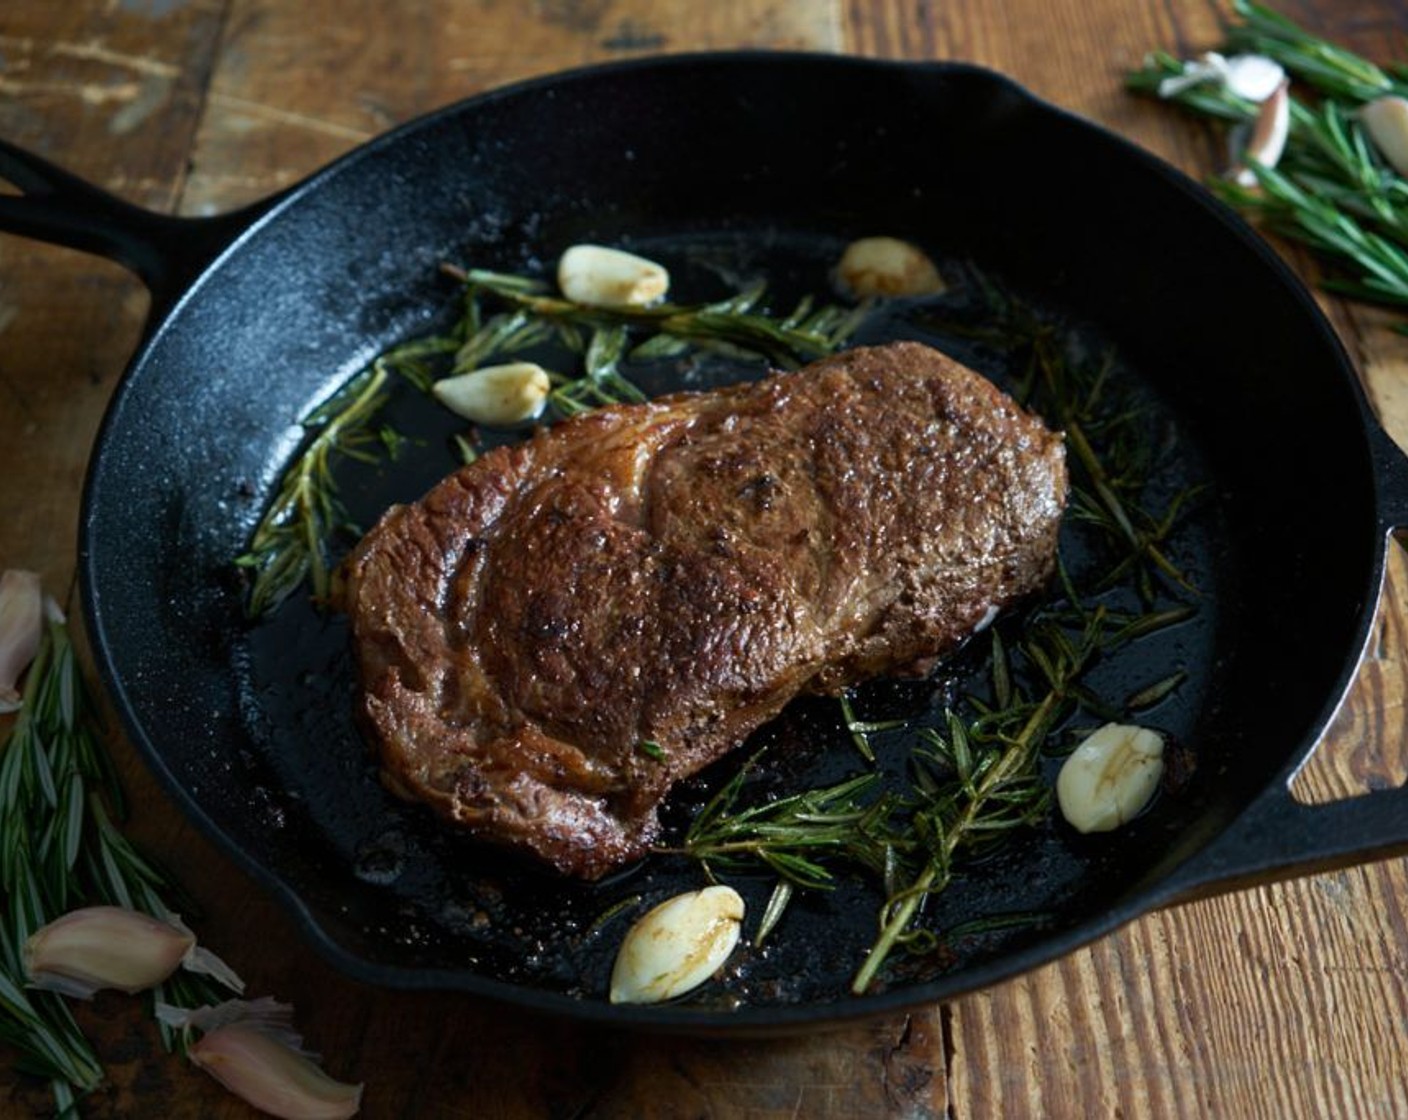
1268 135
273 1077
21 630
1110 778
252 1049
98 947
1386 121
676 946
602 277
887 266
496 396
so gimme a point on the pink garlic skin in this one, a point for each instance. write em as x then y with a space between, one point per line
21 629
98 947
271 1076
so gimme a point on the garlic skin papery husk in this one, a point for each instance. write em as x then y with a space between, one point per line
676 946
887 266
497 396
252 1049
21 630
98 947
598 276
1110 778
1386 121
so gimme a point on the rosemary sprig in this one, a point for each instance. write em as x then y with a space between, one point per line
972 787
291 542
977 781
847 822
734 322
60 849
1331 191
503 315
1330 68
995 786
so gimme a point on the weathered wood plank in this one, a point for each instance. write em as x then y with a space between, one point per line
1288 1000
273 117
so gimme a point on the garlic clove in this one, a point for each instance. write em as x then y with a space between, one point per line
1268 135
100 947
1386 122
272 1076
1110 777
1253 76
496 396
600 277
887 266
21 629
677 946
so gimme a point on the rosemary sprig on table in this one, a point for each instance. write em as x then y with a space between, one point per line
1331 191
60 848
1330 68
504 315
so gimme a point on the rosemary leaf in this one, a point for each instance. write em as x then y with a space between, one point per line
772 913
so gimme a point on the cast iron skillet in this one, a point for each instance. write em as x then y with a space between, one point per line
766 161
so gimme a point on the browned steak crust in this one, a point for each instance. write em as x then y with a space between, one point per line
676 572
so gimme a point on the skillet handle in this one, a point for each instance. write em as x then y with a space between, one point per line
165 252
1278 837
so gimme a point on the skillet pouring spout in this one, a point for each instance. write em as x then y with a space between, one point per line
260 315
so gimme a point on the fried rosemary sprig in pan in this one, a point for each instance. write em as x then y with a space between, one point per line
971 786
504 315
735 322
976 780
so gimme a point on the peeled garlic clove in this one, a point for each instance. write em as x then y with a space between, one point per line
677 946
496 396
602 277
1110 777
1253 76
887 266
1386 122
272 1076
21 628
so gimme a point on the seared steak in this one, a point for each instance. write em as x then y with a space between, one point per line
674 573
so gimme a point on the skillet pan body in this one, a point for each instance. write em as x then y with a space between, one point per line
770 162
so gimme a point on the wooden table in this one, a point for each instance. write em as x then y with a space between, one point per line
1289 1000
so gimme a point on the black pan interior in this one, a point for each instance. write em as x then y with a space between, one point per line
756 163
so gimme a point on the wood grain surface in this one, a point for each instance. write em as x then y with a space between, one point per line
1284 1001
